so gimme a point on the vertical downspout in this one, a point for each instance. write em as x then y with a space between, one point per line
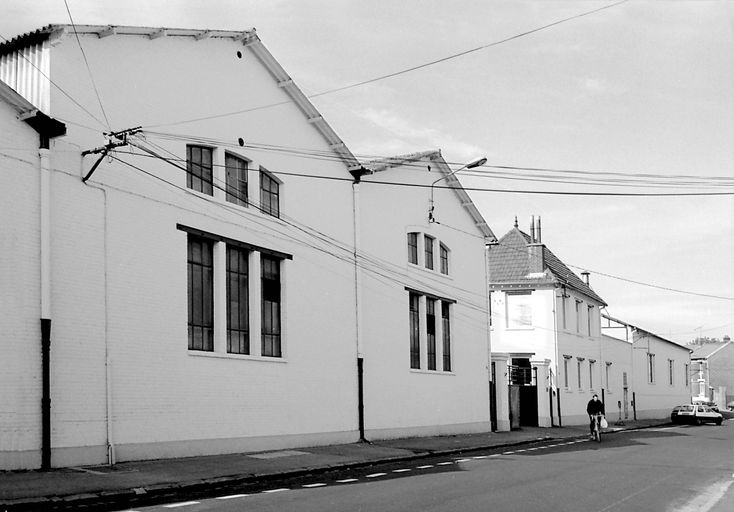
107 361
45 243
488 324
358 305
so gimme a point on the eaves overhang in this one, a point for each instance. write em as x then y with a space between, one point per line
42 123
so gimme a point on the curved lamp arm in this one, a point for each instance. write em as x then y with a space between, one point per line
471 165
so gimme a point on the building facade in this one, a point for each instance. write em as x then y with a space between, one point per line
210 266
425 339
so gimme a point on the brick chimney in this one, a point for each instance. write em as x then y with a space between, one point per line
536 263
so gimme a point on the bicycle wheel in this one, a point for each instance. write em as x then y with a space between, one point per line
597 435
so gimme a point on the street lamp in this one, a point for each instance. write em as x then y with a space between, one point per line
471 165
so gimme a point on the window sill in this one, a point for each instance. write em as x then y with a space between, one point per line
431 272
242 357
431 372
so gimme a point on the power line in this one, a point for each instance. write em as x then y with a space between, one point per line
89 69
538 174
397 73
461 54
482 189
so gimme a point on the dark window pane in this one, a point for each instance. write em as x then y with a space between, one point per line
446 336
429 251
238 328
236 179
199 171
413 248
431 331
270 328
269 195
415 344
444 259
200 294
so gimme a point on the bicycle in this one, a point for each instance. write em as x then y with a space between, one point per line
596 433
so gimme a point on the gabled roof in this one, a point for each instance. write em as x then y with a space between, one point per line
640 329
708 349
249 39
509 265
434 156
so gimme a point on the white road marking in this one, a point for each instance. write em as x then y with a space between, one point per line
707 498
425 467
462 460
346 481
508 453
400 470
531 449
375 475
480 457
271 491
231 496
444 463
495 455
182 504
520 451
309 486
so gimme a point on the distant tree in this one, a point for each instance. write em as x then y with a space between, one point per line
704 340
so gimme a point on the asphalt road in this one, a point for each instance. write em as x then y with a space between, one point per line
671 469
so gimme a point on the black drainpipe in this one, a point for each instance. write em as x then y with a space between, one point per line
46 394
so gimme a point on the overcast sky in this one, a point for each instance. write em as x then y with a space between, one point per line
644 87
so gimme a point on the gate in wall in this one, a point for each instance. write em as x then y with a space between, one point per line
523 394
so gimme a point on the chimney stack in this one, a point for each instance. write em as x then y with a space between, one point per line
536 263
538 231
585 276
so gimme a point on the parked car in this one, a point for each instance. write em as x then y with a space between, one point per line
707 403
695 413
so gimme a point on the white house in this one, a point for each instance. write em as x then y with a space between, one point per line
659 377
423 297
212 268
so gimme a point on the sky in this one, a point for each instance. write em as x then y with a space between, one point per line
639 88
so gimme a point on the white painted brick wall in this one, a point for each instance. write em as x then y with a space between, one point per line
20 368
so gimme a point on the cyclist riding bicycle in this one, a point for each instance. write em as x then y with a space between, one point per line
594 408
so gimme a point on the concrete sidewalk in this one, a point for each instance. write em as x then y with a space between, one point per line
128 483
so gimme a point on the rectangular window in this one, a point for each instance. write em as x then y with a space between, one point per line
519 311
564 297
651 368
431 332
269 194
589 316
200 293
606 371
199 174
271 306
429 251
415 339
445 318
238 324
236 179
578 371
685 368
444 256
670 371
566 359
591 374
578 316
413 248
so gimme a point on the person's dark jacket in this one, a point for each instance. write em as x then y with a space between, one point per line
594 407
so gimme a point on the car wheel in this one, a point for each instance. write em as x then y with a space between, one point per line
718 421
699 421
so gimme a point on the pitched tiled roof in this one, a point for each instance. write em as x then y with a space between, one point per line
707 350
508 263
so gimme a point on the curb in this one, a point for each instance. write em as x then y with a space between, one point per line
159 493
